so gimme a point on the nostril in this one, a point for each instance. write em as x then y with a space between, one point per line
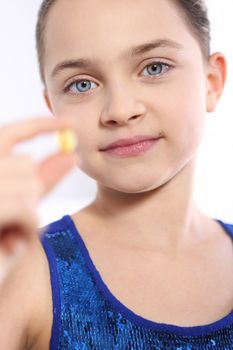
112 122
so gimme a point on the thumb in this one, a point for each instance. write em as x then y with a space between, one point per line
54 168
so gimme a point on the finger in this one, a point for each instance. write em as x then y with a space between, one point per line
15 165
11 134
23 217
54 168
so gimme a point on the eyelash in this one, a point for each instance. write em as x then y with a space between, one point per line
66 89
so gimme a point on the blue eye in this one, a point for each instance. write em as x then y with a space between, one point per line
156 68
79 87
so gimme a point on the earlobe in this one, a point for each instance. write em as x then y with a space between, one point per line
216 77
211 104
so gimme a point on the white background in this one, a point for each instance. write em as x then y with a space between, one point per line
21 97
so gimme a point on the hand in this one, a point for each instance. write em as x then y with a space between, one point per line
23 183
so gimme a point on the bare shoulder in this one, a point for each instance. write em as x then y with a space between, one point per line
26 302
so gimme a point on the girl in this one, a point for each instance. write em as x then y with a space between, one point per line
141 267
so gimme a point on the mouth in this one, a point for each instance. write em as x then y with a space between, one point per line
131 147
130 141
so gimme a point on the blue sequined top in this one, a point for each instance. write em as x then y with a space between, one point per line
87 316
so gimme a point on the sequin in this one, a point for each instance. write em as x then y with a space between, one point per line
87 317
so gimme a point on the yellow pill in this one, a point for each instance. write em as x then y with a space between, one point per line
67 141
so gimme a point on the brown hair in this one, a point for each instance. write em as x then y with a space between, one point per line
195 16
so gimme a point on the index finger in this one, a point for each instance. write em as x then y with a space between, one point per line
11 134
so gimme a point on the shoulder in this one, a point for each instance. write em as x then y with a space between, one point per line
41 322
40 277
41 316
227 226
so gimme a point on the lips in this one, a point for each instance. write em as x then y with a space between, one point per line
130 141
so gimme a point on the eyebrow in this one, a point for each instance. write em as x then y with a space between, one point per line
86 63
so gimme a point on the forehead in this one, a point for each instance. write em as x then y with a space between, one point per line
104 28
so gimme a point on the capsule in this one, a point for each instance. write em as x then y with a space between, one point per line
67 141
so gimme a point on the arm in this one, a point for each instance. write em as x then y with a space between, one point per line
25 292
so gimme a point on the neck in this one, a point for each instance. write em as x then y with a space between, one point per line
164 218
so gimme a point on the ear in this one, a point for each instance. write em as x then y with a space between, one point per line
216 77
47 100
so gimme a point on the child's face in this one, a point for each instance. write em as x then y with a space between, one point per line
125 96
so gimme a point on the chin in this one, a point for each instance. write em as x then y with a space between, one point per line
134 188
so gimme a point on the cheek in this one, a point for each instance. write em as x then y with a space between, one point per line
89 142
185 109
85 119
85 123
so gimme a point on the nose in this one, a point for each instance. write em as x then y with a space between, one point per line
122 107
